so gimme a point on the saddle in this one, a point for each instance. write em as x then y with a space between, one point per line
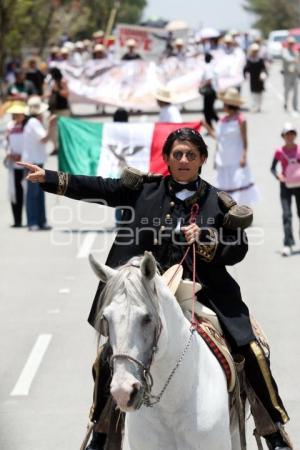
207 324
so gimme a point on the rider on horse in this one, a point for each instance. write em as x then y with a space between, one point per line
161 224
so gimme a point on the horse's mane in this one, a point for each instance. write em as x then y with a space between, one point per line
129 285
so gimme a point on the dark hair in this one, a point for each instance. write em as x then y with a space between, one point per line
56 74
185 134
232 107
208 57
120 115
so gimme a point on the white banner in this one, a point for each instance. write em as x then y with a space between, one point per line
132 84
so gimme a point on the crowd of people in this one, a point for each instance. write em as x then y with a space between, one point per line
44 86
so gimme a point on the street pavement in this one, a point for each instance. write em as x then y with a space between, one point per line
46 289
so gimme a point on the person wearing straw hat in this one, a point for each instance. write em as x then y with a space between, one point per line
256 68
15 141
288 155
160 210
290 71
232 171
34 149
131 53
168 111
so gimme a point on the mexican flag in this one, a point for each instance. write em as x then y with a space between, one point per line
105 149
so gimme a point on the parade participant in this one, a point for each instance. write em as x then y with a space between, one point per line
179 50
233 173
99 52
58 101
290 71
168 111
289 157
34 149
131 53
34 74
256 68
21 89
162 212
15 138
208 90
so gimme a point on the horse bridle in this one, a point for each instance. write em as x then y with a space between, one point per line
148 398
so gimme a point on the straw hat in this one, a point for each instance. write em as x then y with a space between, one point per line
64 51
164 95
131 43
179 42
231 97
99 48
228 39
35 106
254 48
98 34
16 108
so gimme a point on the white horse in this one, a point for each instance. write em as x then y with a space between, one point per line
152 341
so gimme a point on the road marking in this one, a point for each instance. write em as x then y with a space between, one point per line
33 362
278 95
87 244
64 291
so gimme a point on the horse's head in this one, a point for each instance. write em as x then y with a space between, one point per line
129 317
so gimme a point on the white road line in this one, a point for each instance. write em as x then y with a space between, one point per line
87 244
278 95
33 362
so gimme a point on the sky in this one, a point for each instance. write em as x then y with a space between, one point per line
220 14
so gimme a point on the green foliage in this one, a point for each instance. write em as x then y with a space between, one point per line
36 24
274 14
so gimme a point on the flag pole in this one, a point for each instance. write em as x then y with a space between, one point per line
111 21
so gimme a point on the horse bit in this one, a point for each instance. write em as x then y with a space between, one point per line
150 399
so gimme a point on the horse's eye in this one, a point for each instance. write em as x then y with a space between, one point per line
146 319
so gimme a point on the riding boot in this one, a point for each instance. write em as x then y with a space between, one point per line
97 442
102 378
275 441
267 408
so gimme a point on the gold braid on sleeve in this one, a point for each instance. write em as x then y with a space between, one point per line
207 250
63 181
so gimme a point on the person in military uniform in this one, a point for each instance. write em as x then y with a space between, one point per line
161 223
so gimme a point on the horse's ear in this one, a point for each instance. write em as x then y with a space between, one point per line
101 270
148 265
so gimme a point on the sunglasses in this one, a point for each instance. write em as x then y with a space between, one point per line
178 155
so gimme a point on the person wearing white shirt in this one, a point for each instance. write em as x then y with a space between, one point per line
208 87
34 149
168 112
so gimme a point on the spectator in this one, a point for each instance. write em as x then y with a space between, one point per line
35 138
131 53
168 112
15 141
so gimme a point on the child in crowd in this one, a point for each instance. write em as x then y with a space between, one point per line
289 157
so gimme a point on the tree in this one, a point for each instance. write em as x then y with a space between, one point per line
40 23
274 14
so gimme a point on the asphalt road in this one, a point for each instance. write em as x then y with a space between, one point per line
47 287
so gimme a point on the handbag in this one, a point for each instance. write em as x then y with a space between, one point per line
292 174
206 90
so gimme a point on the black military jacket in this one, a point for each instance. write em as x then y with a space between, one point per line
151 221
